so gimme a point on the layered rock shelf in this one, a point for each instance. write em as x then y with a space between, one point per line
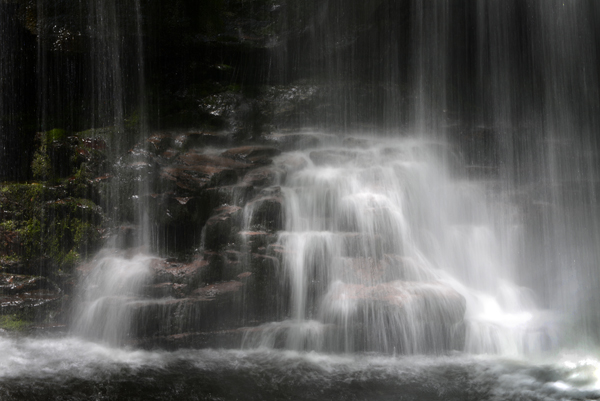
217 218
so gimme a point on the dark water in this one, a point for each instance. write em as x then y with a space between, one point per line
75 369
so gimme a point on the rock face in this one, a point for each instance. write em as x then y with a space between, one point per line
27 301
411 317
226 272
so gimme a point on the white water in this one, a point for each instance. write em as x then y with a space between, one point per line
71 368
382 243
108 295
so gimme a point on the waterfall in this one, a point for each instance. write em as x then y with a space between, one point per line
108 297
387 245
315 199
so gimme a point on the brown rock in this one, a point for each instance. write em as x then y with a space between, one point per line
258 155
159 143
221 228
200 139
265 176
434 301
291 163
194 179
266 211
181 273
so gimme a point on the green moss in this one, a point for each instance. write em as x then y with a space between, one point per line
49 226
40 166
13 323
106 133
56 134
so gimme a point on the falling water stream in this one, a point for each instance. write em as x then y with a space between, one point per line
415 265
388 244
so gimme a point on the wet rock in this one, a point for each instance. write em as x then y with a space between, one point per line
193 172
206 339
267 211
357 244
210 308
401 316
194 179
162 290
26 299
221 228
193 158
122 237
332 157
361 270
167 157
170 209
214 291
223 265
56 156
294 141
201 139
139 167
179 273
435 302
256 241
10 241
236 195
257 155
291 163
159 143
262 287
11 284
265 176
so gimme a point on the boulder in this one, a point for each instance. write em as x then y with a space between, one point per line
434 301
257 155
220 229
223 265
200 139
158 143
212 307
194 158
400 316
256 241
261 292
291 163
26 300
265 176
266 212
236 195
361 245
194 179
189 274
192 172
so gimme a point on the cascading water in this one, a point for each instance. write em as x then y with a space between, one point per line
388 245
108 297
442 244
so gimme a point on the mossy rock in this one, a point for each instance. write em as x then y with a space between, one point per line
40 222
14 323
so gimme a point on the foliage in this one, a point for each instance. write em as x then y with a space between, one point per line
13 323
47 225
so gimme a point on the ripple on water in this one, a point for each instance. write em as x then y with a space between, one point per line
75 369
